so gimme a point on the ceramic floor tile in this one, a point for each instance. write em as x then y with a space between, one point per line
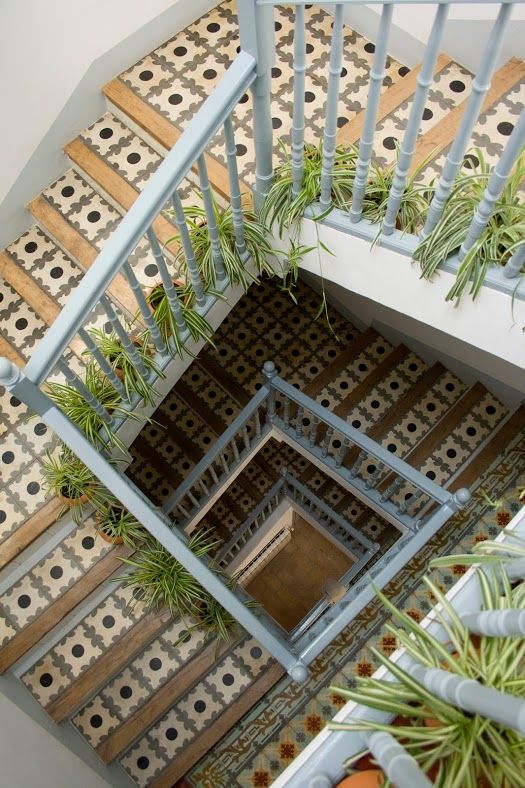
96 721
144 762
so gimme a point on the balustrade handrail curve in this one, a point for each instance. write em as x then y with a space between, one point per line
192 143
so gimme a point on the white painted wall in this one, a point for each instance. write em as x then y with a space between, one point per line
486 333
30 756
54 57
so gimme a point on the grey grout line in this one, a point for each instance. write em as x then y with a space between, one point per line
37 550
66 624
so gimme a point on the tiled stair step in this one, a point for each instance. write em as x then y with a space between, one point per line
441 136
397 94
198 719
29 530
173 674
75 245
436 437
99 646
37 602
495 124
21 328
160 93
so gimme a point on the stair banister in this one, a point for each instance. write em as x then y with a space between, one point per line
513 266
150 517
406 150
299 68
497 180
149 204
332 100
480 86
361 594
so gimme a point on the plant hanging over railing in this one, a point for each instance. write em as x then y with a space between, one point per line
254 237
501 237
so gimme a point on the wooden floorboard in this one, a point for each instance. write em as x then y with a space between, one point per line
402 90
77 247
30 635
110 663
32 528
440 136
9 352
122 192
160 702
209 737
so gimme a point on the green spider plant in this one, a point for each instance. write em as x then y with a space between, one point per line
65 476
117 524
197 325
486 553
504 232
281 208
80 412
464 750
255 239
124 366
159 579
414 202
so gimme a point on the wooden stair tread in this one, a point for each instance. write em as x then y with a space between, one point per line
399 409
494 447
164 132
219 374
52 615
39 301
9 352
160 701
110 663
340 362
440 136
209 737
402 90
439 431
122 192
377 374
30 529
77 247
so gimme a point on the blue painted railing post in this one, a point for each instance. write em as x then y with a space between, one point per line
513 267
480 87
257 38
332 99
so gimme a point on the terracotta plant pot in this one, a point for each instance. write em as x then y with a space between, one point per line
105 536
70 502
138 342
176 283
371 778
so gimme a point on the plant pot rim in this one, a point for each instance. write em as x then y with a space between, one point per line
103 534
70 502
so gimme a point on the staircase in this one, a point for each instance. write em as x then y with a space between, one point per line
66 628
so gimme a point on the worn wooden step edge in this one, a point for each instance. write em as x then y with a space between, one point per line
214 370
497 443
9 352
209 738
392 98
162 700
79 692
52 615
443 133
78 248
117 187
30 530
39 301
378 373
399 409
340 362
165 132
440 430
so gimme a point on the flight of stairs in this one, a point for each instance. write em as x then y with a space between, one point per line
65 629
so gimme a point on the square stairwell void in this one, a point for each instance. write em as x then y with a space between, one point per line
293 581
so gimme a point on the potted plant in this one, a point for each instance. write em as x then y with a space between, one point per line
453 747
124 365
159 579
196 324
65 476
81 413
115 524
504 232
414 201
255 239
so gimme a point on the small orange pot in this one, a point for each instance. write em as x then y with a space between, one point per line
371 778
71 502
105 536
